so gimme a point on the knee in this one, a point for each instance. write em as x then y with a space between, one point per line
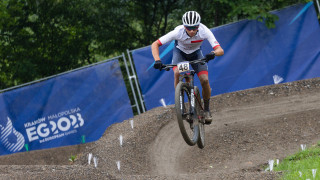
204 80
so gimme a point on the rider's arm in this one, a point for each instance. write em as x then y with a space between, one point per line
163 40
218 51
155 50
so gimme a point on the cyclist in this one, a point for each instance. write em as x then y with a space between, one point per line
188 39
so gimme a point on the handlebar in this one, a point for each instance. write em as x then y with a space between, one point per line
168 66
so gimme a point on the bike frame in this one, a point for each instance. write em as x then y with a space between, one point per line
189 76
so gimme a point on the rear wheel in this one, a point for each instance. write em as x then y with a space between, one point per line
199 115
189 127
201 141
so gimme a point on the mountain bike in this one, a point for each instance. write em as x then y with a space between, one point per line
188 104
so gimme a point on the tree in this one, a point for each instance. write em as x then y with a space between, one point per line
43 38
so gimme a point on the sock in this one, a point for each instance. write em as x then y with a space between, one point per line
206 104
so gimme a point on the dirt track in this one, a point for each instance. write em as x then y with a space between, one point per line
249 128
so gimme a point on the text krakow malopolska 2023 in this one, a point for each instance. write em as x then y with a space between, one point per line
54 126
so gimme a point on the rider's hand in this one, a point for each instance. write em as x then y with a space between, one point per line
210 56
157 64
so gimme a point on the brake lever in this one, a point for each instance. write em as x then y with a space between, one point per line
163 67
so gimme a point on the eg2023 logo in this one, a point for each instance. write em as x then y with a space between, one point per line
43 129
54 126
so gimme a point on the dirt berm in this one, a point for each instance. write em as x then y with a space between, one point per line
249 128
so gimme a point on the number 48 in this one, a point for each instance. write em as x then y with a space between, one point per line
183 67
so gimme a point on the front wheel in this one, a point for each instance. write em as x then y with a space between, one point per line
189 127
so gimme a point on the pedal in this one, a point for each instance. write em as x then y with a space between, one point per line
207 123
207 117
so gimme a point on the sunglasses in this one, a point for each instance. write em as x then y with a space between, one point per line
189 28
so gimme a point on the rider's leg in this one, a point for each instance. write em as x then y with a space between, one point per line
176 77
202 72
206 93
206 90
177 56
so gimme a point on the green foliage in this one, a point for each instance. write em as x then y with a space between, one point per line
313 152
72 158
43 38
257 9
300 165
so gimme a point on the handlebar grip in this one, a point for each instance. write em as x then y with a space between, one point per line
162 67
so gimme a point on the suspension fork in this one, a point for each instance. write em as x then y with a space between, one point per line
190 76
192 100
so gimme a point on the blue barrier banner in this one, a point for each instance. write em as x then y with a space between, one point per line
254 56
68 109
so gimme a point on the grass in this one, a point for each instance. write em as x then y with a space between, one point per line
301 164
72 158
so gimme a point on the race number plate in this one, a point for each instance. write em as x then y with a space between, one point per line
183 66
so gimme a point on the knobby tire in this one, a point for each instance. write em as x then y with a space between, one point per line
197 99
182 111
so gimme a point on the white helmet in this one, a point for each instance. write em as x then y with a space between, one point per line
191 18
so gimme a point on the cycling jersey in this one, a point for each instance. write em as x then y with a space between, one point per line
189 44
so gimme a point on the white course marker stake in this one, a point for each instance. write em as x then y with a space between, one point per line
277 161
131 122
163 103
89 158
277 79
120 139
300 173
303 147
314 171
118 165
95 160
271 164
267 169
